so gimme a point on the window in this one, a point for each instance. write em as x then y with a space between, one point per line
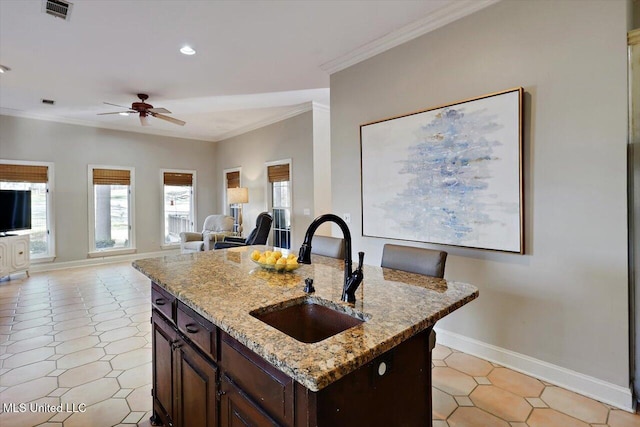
178 204
37 177
232 180
278 175
111 210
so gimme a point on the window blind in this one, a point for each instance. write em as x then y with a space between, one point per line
278 173
233 179
178 179
24 173
111 177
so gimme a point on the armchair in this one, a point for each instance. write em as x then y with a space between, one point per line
215 228
258 236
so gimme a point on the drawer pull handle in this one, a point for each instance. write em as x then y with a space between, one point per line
160 301
191 328
20 253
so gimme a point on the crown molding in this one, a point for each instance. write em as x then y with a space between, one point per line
441 17
148 131
320 107
296 110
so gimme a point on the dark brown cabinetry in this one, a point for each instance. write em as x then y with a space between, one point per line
203 377
196 390
164 338
237 409
185 387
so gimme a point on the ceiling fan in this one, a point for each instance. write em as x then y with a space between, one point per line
145 110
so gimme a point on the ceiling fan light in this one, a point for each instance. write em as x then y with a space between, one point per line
124 113
144 120
187 50
4 69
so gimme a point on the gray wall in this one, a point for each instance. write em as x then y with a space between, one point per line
565 301
288 139
634 197
72 148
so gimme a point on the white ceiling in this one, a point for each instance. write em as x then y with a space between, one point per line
257 61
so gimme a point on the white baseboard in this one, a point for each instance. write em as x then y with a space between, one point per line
612 394
35 268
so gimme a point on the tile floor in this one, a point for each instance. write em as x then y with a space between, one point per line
82 336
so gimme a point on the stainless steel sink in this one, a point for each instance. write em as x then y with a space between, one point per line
306 320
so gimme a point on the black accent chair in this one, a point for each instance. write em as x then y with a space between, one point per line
258 236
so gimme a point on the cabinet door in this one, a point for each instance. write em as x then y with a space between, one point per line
236 409
272 389
4 258
20 258
164 339
196 399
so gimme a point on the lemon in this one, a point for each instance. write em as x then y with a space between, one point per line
271 260
262 259
292 256
255 255
281 263
277 254
292 264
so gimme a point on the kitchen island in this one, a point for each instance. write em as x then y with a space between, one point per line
217 363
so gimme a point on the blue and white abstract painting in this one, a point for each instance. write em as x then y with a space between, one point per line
450 175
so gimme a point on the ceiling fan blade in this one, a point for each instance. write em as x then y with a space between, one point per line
169 119
117 112
159 110
116 105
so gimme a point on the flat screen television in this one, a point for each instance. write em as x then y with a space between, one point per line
15 210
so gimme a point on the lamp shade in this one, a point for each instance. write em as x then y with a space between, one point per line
237 195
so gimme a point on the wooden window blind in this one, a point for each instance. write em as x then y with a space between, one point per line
178 179
233 179
24 173
111 177
278 173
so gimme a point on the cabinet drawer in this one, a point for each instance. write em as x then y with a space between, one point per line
162 300
197 329
270 388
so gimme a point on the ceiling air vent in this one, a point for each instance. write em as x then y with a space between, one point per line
57 8
48 101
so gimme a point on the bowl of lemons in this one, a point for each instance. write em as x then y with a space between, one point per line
274 260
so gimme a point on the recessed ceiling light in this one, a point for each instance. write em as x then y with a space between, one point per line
4 69
124 113
187 50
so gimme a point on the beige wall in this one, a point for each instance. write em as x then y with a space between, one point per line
288 139
565 300
72 148
322 165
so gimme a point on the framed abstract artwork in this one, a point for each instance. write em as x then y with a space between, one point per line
450 175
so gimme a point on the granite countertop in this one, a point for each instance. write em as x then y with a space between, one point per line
225 286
